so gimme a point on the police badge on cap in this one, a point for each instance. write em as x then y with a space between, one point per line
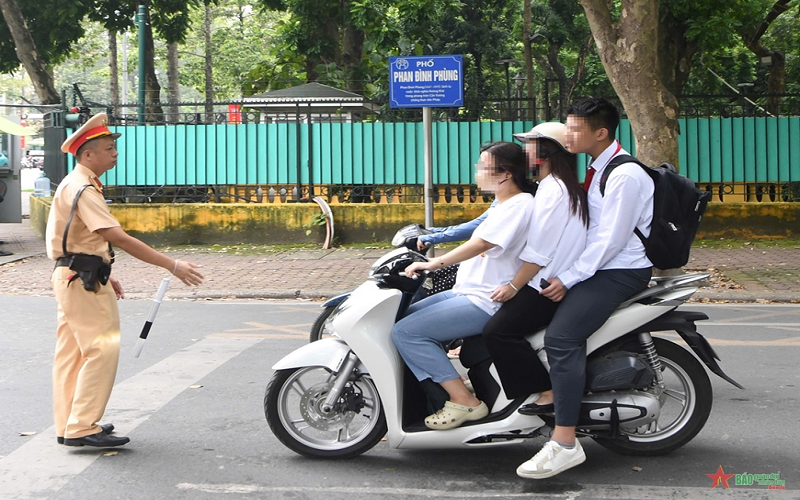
96 126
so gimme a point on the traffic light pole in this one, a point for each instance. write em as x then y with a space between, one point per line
142 48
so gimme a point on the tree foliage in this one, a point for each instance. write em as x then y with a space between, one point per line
705 46
54 25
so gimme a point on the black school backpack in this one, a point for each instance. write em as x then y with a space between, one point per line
678 208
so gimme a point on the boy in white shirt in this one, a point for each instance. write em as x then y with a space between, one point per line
612 268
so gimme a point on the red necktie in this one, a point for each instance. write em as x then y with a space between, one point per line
588 181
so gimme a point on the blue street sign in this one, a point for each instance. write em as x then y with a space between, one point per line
426 82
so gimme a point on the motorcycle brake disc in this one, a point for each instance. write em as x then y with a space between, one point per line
311 409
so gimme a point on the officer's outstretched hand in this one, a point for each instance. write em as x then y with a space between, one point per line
117 286
188 273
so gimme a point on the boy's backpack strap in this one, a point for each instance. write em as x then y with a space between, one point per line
614 163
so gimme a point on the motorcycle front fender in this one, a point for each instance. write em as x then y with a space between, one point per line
335 301
328 352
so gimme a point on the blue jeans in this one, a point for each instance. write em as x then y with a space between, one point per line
429 323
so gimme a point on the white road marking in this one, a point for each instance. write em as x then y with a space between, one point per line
587 491
41 467
712 323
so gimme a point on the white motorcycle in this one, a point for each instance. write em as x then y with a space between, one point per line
337 397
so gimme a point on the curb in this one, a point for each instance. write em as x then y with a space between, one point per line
745 297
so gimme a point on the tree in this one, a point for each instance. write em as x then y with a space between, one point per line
776 60
26 52
325 40
39 35
482 31
627 43
564 34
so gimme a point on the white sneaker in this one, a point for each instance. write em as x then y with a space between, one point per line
552 459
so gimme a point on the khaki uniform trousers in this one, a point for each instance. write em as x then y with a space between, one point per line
87 353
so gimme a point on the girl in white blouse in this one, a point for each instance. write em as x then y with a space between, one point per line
556 238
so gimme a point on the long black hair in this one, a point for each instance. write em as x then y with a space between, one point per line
510 157
564 166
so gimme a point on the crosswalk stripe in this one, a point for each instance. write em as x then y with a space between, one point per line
41 467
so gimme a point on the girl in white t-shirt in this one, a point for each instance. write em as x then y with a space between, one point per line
490 259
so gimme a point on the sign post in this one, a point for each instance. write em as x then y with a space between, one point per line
426 82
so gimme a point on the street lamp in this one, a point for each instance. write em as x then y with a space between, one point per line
506 63
519 81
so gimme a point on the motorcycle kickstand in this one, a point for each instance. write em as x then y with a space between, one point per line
341 379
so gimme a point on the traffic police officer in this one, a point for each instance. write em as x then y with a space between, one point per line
80 232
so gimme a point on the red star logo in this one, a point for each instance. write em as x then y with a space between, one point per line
720 478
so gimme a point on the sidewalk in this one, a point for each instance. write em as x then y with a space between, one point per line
747 275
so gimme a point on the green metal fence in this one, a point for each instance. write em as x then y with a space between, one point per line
712 150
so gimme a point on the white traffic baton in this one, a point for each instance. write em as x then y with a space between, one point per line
150 317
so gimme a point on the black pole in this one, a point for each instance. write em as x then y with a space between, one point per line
508 90
310 150
547 99
299 149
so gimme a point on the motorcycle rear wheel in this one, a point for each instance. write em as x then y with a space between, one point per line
321 327
685 411
293 407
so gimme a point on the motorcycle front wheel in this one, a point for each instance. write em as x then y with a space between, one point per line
321 327
293 407
686 404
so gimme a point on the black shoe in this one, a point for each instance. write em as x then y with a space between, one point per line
534 409
100 440
107 428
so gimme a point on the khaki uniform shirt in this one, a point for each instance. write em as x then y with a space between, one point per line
91 214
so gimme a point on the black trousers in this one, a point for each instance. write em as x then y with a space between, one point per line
585 308
521 372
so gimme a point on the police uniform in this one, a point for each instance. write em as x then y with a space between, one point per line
88 334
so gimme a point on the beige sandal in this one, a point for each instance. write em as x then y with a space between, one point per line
453 415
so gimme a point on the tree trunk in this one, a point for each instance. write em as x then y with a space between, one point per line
675 53
561 75
113 68
580 66
26 53
174 88
152 89
776 84
526 42
352 54
546 96
209 69
629 52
